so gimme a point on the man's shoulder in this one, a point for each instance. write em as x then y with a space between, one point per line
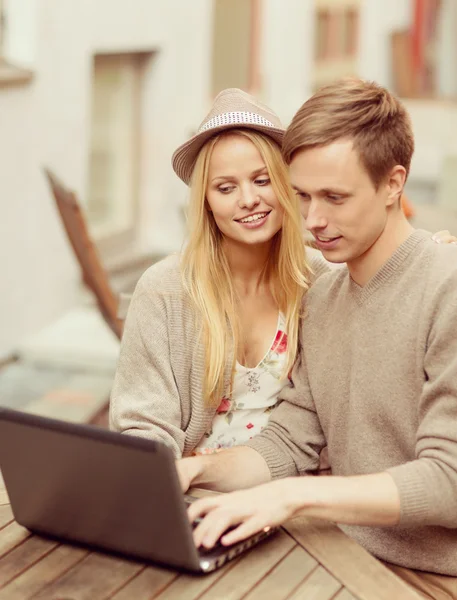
444 254
442 262
327 284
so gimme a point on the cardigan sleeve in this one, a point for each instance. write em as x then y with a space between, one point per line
145 399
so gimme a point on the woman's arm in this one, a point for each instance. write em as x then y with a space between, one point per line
145 399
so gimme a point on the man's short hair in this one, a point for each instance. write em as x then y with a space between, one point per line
374 118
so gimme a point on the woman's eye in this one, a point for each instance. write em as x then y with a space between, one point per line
263 181
226 189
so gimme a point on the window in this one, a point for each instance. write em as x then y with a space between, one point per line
336 41
2 29
117 81
350 32
424 56
322 35
10 74
236 41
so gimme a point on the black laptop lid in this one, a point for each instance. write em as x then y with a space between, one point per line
97 487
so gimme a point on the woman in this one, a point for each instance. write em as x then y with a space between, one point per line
211 335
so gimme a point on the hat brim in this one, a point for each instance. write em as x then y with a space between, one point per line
184 157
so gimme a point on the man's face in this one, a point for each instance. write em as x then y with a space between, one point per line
339 203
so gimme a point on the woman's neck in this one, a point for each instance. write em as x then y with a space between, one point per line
247 265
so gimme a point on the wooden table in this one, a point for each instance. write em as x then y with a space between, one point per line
306 560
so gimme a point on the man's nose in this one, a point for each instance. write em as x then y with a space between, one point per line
314 216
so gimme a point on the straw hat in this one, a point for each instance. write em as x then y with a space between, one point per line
232 108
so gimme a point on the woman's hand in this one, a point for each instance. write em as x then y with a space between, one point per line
248 511
444 237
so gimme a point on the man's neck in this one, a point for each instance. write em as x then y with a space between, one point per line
365 267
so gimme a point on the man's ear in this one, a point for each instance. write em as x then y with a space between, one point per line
395 184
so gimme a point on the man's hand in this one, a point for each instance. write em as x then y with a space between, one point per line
369 500
250 510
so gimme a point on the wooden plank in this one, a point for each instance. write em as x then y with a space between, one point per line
97 576
320 585
147 584
344 594
24 556
251 569
358 571
191 587
285 577
11 536
42 573
6 515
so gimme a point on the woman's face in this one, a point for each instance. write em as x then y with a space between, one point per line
239 192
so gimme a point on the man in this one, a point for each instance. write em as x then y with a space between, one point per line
376 375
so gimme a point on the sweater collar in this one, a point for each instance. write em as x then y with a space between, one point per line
393 266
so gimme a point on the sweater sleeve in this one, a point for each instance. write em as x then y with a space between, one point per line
144 398
428 484
293 439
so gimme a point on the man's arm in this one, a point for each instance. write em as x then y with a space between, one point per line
371 500
289 445
418 493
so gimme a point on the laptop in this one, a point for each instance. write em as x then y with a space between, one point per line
99 488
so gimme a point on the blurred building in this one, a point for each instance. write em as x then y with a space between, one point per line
102 91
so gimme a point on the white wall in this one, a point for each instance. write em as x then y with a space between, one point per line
287 54
47 123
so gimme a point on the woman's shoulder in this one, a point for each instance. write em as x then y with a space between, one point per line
163 277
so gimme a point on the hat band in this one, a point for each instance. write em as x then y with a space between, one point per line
235 118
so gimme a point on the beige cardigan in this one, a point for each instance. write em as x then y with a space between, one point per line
157 391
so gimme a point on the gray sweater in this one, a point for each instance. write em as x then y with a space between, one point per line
376 380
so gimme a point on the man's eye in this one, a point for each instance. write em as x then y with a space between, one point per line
334 197
303 196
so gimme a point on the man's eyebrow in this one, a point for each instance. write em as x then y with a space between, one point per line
324 191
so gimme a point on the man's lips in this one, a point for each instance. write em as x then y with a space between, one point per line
325 242
325 238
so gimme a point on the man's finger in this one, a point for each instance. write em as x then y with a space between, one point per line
201 507
208 532
243 531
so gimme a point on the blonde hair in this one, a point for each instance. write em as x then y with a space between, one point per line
374 118
206 272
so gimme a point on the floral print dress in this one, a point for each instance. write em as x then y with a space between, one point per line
255 394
